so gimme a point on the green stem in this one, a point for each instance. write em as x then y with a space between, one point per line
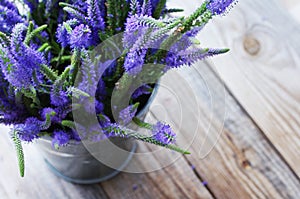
159 9
75 62
142 124
59 57
4 37
50 74
20 153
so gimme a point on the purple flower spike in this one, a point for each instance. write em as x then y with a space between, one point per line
218 7
80 36
59 98
163 133
60 138
143 90
134 62
62 34
32 4
127 114
30 130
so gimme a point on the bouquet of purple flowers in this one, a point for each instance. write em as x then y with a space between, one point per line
45 61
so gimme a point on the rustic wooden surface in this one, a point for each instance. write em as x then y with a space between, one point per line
239 115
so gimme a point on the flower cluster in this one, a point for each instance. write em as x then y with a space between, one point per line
46 60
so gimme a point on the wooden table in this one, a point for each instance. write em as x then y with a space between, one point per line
239 115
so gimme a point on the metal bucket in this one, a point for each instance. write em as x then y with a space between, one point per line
74 163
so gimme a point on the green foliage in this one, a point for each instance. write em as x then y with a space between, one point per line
32 33
174 10
62 78
44 47
77 92
4 38
133 7
159 8
141 123
147 39
63 4
49 73
75 63
47 122
111 15
76 13
20 154
188 23
68 123
150 22
32 94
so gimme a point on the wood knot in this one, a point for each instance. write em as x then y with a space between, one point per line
246 164
251 45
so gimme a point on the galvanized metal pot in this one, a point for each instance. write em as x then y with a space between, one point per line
74 163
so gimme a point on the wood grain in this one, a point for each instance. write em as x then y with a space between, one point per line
176 181
242 163
262 70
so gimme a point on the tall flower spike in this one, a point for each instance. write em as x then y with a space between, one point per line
80 36
218 7
143 90
137 26
32 4
60 138
126 115
94 15
134 61
29 130
147 8
163 133
9 17
175 60
22 63
185 41
64 30
135 8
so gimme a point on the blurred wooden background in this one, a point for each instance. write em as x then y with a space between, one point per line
239 114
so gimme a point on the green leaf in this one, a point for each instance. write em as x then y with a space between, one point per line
141 123
75 64
159 8
150 22
43 47
49 73
20 153
77 92
69 124
47 122
4 37
34 33
67 27
75 12
32 94
174 10
62 59
30 28
111 11
63 4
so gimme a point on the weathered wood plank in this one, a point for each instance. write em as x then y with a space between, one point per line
176 181
262 70
242 164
